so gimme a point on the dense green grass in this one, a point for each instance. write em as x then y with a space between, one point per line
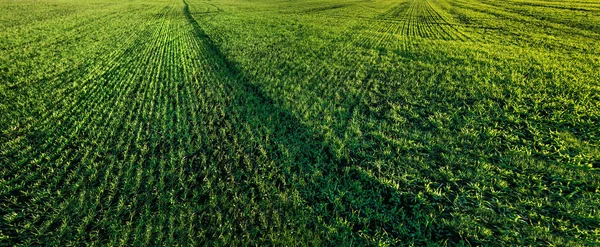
342 122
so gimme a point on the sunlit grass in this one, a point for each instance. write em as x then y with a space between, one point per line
233 122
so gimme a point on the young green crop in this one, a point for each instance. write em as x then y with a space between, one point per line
234 122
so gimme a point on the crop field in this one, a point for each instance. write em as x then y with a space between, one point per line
299 123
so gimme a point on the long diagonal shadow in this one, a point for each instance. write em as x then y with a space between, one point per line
339 193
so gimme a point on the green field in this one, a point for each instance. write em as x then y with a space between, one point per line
293 123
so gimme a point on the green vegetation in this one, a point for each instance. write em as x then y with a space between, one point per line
312 122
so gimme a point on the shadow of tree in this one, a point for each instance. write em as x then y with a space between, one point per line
344 204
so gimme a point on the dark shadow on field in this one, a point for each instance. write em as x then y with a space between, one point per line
350 205
347 205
